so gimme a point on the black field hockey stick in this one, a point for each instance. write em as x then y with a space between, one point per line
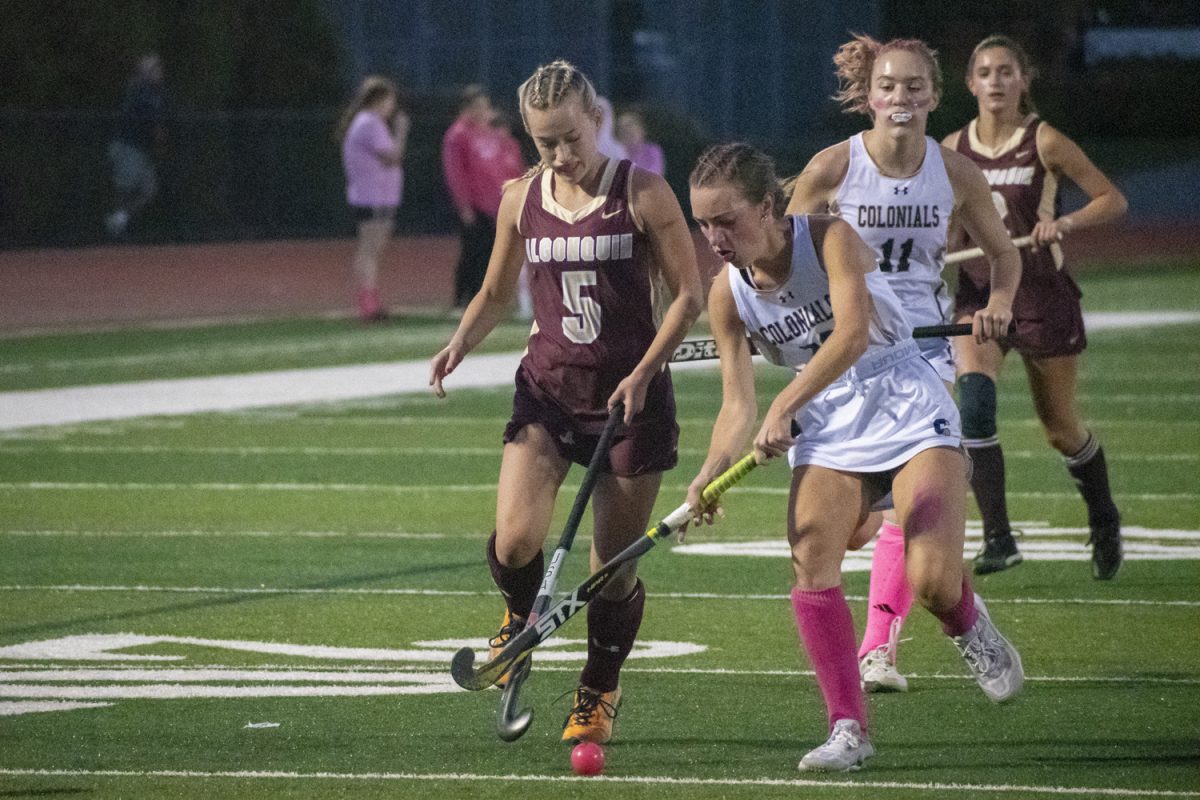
462 666
706 349
511 725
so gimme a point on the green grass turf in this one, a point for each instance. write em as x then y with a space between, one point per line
360 525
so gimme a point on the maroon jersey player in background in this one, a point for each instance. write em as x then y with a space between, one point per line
1024 159
597 235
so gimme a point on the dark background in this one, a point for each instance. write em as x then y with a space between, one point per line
256 87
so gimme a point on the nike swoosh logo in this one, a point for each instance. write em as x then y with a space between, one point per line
1021 154
611 214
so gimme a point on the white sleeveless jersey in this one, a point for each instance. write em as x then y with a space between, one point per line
789 323
904 220
882 411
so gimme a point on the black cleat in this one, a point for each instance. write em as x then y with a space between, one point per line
999 552
1107 553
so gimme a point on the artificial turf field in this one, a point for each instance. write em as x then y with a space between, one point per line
263 603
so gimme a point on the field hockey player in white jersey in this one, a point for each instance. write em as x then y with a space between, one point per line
865 415
899 189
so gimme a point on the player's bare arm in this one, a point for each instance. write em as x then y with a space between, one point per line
1106 204
674 253
816 186
495 298
739 406
976 213
956 238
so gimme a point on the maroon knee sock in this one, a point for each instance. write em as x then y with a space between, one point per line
612 628
519 585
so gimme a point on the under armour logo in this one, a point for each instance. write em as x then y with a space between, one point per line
899 190
786 296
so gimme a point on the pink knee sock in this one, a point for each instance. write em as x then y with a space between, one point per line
890 596
961 618
827 631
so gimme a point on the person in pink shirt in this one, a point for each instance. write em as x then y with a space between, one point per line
478 158
373 133
631 132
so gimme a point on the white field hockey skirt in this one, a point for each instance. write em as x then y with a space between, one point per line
940 356
875 422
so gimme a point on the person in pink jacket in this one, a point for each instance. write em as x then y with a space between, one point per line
478 158
373 133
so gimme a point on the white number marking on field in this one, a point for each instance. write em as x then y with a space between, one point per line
28 690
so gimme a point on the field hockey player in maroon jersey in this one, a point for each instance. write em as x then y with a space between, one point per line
601 239
1024 160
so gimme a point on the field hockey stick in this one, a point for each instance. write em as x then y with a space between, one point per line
509 724
959 256
462 666
706 349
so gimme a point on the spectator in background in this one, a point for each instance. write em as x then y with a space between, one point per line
606 143
140 136
509 165
470 156
373 133
631 133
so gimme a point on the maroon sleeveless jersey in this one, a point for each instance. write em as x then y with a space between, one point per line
1024 191
593 305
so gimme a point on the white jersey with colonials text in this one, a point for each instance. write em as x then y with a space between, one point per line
904 220
882 411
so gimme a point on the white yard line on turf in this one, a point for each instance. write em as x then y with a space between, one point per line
969 789
287 387
282 590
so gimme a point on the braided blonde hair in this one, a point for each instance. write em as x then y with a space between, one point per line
550 84
855 60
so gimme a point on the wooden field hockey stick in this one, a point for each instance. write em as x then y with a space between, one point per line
509 724
706 349
462 666
959 256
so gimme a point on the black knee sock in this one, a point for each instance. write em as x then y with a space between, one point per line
987 482
1090 472
612 628
519 585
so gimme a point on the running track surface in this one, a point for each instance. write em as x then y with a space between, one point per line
65 288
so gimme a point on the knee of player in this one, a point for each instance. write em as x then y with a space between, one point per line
936 588
977 406
516 550
815 549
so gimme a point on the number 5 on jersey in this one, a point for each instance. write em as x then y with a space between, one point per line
582 324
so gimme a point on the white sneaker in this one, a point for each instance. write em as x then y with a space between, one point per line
993 660
847 748
877 669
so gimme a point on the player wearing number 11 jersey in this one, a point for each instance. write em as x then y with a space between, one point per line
597 235
899 189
